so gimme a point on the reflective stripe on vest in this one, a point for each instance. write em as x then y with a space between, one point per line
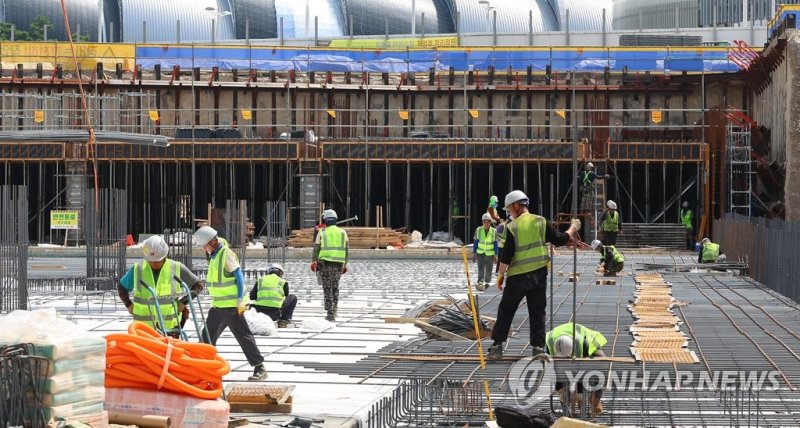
586 180
615 255
611 223
531 252
270 291
686 218
710 252
221 284
485 240
167 291
583 335
333 245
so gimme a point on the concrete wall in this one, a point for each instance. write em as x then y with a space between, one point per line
792 186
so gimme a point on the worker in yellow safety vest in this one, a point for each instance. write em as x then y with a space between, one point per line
484 251
589 342
687 219
225 282
710 252
611 260
610 224
524 262
330 260
270 296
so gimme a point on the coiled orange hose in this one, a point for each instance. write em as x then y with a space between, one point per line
144 359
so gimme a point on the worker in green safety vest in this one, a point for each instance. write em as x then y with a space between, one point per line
163 276
611 260
225 282
329 258
709 252
687 219
270 296
610 224
589 343
484 251
524 262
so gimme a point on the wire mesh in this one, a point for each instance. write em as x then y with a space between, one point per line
105 234
276 238
236 228
13 247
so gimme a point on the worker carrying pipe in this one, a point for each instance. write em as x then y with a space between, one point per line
524 261
611 260
588 343
225 282
160 274
329 259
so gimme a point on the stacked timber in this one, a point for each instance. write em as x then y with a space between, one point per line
360 237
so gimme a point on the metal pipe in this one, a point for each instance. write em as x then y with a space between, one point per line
574 212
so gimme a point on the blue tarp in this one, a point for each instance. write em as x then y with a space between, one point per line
462 59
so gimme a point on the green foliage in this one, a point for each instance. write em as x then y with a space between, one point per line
35 33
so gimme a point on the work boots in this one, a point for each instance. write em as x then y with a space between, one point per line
331 317
259 373
283 323
480 286
597 405
537 350
495 352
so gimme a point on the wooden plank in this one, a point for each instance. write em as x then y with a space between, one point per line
401 320
285 407
438 331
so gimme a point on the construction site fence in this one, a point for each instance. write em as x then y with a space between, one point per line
260 57
769 245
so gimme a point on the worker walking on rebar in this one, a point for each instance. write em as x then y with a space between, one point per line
484 251
610 224
159 273
611 260
710 252
589 344
687 219
524 261
225 282
330 258
270 296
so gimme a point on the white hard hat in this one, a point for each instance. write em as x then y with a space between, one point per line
275 267
705 241
589 165
721 258
685 204
611 204
516 196
204 235
486 217
329 214
493 198
563 346
596 243
155 248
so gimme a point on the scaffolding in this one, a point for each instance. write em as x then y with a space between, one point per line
740 164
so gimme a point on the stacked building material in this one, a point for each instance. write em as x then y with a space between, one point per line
656 331
359 237
663 235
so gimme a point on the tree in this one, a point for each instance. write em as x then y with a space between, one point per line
37 27
34 33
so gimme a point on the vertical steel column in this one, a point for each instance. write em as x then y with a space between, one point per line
647 192
408 196
630 190
574 212
388 194
348 189
664 189
430 205
450 197
680 189
539 184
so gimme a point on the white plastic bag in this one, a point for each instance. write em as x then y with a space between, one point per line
259 323
317 324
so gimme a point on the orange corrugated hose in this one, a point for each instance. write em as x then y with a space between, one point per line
145 359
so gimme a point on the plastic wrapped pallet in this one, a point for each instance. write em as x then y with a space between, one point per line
73 388
184 411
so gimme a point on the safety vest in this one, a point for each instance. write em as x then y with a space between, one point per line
686 218
333 244
710 252
221 284
586 178
583 336
616 255
530 253
486 240
611 223
270 291
167 291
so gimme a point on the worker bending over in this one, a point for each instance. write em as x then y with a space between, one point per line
610 224
710 252
330 260
162 275
225 282
611 260
524 262
589 344
484 251
270 296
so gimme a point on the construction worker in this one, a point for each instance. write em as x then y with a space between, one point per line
610 224
524 261
484 251
330 260
611 260
492 210
586 181
225 282
159 273
270 296
501 239
709 252
560 343
687 219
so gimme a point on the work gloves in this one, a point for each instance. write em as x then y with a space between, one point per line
500 280
576 223
344 269
313 266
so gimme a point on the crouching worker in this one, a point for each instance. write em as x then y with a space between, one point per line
270 296
588 343
611 260
710 252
